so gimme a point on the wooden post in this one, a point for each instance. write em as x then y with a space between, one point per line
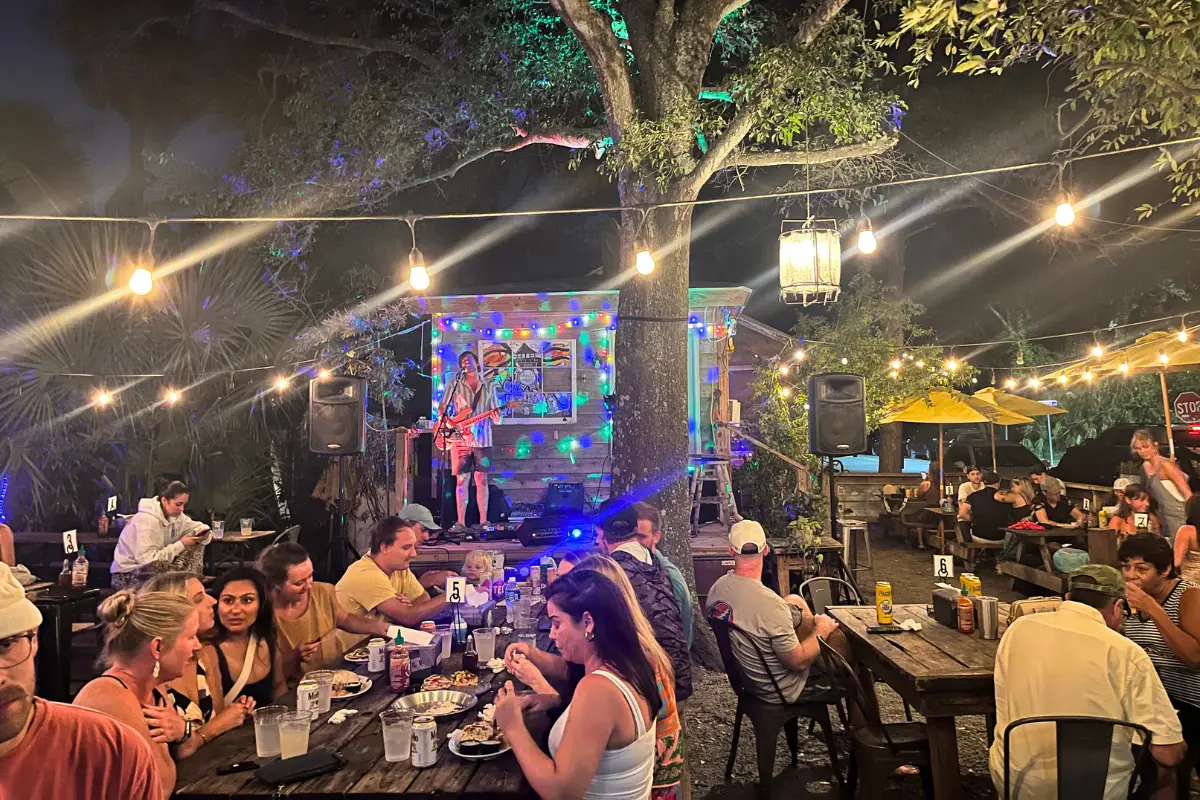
722 439
403 462
1162 379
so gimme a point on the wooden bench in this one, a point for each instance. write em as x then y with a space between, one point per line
969 549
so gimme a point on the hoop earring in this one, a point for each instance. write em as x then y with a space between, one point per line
589 635
157 669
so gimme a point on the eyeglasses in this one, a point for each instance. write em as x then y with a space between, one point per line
16 649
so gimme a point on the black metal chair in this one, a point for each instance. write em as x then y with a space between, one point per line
1083 746
768 717
877 748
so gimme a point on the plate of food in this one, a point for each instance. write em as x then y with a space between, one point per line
478 741
441 703
437 683
359 655
463 679
347 684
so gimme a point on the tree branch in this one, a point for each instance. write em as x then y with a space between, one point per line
1179 87
746 117
781 158
362 45
600 43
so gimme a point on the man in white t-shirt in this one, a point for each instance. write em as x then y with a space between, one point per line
974 484
1074 662
784 631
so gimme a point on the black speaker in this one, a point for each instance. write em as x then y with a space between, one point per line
837 418
337 416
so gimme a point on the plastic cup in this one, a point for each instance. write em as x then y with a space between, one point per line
266 730
397 734
485 644
293 733
444 631
324 679
529 638
247 526
218 529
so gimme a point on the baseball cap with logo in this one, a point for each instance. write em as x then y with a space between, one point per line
747 537
420 515
1098 578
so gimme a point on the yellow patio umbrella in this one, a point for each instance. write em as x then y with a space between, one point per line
948 407
1161 352
1016 404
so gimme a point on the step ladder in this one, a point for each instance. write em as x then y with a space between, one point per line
712 469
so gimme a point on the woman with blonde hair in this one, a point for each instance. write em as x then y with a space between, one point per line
148 641
204 712
1164 480
669 758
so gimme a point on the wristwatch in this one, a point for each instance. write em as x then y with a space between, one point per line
187 732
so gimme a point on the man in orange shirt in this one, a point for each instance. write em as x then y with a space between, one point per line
52 750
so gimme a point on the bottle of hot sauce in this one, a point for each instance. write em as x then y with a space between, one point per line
966 613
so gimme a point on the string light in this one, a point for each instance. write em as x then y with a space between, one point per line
1062 378
282 384
324 375
1182 335
1011 383
783 369
1035 382
896 364
643 259
845 361
894 374
952 365
920 364
141 282
1097 351
1087 375
1163 358
172 397
800 355
103 398
1064 212
418 273
867 243
1124 367
785 391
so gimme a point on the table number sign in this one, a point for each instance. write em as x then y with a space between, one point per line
456 590
70 542
943 566
112 504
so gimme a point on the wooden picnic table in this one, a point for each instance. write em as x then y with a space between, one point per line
360 741
940 672
1029 540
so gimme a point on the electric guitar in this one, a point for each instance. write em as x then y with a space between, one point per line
450 432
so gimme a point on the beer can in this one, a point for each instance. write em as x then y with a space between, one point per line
883 603
308 697
429 626
377 655
425 744
551 575
976 587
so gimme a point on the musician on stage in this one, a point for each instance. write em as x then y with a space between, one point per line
472 453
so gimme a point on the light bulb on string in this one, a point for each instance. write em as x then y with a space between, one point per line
867 243
952 365
1011 383
800 355
1035 382
1064 212
920 365
1097 351
643 259
784 369
103 398
141 282
172 397
845 361
282 384
1087 376
1182 335
785 391
418 272
1062 378
894 374
324 374
1124 368
1163 358
896 363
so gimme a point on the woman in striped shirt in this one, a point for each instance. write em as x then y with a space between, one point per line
1165 622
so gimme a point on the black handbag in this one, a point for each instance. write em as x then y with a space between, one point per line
300 768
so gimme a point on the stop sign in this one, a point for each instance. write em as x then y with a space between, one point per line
1187 407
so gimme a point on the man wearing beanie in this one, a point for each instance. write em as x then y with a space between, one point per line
52 750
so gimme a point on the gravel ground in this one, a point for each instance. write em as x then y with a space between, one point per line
709 713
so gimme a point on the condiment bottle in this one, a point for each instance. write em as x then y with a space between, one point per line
64 577
470 661
966 613
399 665
79 572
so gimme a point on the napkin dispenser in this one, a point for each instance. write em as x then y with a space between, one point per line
945 607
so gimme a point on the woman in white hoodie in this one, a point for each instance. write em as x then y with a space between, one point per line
159 537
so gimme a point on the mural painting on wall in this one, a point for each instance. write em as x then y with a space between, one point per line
537 377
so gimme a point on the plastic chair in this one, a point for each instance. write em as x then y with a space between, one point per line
877 748
769 717
1083 747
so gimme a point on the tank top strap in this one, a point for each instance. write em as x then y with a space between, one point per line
629 698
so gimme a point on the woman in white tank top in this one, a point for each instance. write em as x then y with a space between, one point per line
602 747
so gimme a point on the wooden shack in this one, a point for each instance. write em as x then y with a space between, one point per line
552 355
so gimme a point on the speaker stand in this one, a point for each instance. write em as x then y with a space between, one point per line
339 544
846 570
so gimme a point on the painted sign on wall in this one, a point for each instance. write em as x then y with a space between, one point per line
538 376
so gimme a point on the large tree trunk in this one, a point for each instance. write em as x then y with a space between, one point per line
891 436
650 428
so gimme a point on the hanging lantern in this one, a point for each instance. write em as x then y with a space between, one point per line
810 261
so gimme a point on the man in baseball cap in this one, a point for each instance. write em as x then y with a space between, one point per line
422 519
1106 675
51 749
748 538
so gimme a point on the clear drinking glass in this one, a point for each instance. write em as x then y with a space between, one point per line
444 632
324 679
529 638
485 644
218 529
397 734
523 616
293 733
247 526
266 730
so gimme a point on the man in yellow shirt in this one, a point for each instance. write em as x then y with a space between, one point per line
381 586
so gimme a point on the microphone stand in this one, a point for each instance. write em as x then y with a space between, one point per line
441 479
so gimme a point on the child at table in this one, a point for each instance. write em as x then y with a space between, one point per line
477 567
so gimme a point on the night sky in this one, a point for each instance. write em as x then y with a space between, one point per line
1058 282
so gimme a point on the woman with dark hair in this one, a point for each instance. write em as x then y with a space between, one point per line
1164 480
159 538
1134 500
1167 626
243 643
1187 543
603 745
307 614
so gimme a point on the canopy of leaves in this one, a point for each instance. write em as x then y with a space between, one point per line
1132 63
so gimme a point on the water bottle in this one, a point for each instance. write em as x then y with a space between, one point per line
511 594
458 627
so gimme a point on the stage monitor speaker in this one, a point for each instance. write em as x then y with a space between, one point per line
337 416
536 531
837 418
